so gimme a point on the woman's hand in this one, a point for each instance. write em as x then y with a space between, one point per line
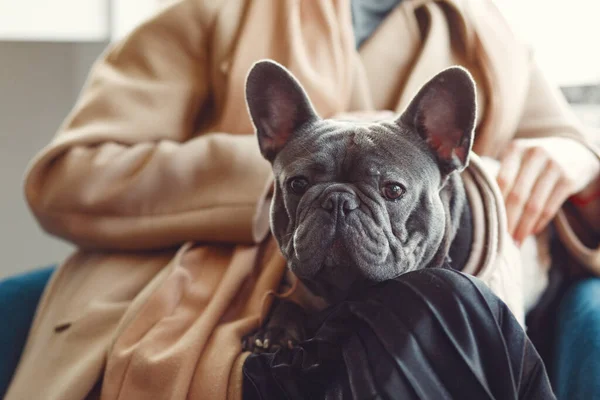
536 177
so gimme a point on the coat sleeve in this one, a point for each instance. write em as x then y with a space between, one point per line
547 113
125 170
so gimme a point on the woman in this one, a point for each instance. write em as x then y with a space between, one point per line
156 177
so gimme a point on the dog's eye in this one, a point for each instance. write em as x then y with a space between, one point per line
298 185
393 191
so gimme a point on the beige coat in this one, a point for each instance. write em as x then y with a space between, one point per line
156 177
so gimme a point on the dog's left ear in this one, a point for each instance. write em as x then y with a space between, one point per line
278 106
443 113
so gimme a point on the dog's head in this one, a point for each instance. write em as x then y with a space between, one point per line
359 202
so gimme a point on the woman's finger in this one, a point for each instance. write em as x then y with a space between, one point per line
538 200
561 191
531 168
509 169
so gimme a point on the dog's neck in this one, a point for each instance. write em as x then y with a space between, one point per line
455 248
460 249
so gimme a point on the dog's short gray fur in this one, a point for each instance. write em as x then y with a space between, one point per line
342 233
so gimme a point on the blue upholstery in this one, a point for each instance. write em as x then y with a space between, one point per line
577 365
19 296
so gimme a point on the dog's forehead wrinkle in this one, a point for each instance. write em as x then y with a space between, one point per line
408 152
329 151
362 137
373 171
310 149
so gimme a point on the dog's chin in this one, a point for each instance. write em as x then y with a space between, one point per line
333 272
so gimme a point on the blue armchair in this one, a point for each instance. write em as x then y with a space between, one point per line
19 297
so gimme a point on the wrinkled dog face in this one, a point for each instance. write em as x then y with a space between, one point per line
359 202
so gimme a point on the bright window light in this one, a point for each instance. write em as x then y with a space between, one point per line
564 35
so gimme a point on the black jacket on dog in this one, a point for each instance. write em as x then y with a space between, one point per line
429 334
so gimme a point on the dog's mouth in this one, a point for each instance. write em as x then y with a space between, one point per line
339 252
337 255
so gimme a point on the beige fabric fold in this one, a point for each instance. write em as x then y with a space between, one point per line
494 257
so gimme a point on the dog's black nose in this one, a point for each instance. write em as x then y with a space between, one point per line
340 202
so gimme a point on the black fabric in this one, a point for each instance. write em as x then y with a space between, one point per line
460 249
430 334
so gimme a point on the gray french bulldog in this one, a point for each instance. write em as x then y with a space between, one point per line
359 202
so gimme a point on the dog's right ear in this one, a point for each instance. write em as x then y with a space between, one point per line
443 113
277 104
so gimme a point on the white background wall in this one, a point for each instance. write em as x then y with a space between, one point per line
39 82
563 33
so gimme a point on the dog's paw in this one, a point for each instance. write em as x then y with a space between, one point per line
284 329
268 340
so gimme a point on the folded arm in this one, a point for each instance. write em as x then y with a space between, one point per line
126 170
